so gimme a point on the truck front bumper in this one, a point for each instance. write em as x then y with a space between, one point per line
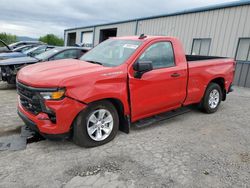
65 111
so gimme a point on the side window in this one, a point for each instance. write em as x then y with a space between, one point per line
201 46
19 45
243 50
22 49
160 54
26 48
67 54
38 51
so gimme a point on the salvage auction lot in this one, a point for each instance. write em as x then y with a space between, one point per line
191 150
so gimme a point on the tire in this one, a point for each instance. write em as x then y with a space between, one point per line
211 99
84 125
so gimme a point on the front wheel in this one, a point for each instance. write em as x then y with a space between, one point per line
212 98
96 125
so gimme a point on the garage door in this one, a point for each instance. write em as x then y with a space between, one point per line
87 39
242 73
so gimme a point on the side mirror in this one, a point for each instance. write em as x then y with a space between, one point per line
142 67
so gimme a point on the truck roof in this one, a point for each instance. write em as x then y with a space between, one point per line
146 37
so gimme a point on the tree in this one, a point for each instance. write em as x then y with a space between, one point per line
52 39
8 38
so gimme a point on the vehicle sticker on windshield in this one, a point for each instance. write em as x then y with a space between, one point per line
132 46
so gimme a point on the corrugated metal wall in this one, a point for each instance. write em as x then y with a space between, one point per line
224 26
122 30
78 34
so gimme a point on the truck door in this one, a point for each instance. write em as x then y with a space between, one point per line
161 89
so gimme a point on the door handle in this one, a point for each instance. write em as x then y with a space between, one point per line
175 75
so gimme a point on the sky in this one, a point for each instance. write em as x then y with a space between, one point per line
35 18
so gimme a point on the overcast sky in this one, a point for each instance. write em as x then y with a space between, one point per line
34 18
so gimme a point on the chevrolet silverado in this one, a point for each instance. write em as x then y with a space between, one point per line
119 82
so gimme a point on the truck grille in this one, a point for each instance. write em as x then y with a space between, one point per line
29 99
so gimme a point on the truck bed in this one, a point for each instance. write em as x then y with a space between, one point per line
191 58
202 69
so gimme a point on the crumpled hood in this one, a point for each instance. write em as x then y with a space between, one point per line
18 60
52 73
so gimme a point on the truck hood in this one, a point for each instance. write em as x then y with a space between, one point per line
18 61
53 73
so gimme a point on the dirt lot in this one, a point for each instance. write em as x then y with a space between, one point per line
191 150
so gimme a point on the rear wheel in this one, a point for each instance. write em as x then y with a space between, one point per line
212 98
96 125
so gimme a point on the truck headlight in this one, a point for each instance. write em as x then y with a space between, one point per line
53 95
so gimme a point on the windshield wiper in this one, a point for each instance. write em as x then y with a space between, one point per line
94 62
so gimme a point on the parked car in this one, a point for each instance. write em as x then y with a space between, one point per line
23 51
10 47
4 47
85 45
119 82
25 47
10 67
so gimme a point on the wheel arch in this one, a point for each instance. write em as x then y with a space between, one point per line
124 120
221 82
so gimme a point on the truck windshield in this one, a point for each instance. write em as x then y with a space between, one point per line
111 52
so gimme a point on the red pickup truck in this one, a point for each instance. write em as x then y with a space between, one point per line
119 82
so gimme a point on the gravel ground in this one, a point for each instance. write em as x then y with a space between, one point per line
9 121
191 150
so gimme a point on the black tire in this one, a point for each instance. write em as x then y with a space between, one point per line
204 104
80 133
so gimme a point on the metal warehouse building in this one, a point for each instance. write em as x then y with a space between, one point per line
222 30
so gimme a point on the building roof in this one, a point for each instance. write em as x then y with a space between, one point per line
194 10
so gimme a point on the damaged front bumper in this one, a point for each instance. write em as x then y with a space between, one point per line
50 118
